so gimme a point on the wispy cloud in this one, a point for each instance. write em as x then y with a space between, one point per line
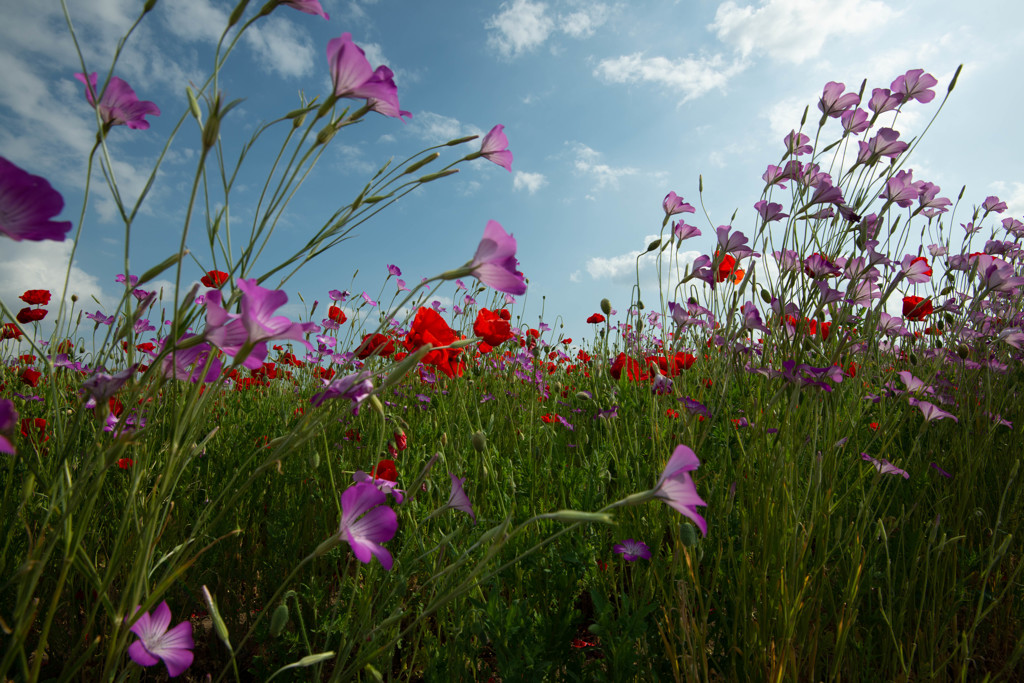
522 25
588 162
531 182
689 77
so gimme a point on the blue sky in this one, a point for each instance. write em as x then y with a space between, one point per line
607 106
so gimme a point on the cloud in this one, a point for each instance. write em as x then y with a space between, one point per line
587 162
795 31
437 128
281 48
624 268
1013 194
689 77
582 24
520 27
531 182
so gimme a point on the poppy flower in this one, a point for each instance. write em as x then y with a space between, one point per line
596 319
36 297
633 370
336 314
490 325
35 428
727 268
214 278
30 376
375 344
30 315
385 469
428 327
10 331
916 308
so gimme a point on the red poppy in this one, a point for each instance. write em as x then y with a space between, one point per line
30 315
630 365
34 428
11 331
336 314
428 327
214 278
916 307
595 319
125 463
30 376
116 407
494 329
145 347
727 268
326 373
290 359
27 359
37 297
385 469
401 440
671 413
375 344
66 346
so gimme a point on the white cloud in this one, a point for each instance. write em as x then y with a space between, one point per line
194 20
582 24
587 162
436 128
689 77
531 182
1013 194
520 27
281 47
576 276
795 31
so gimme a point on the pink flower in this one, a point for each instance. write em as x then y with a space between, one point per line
884 466
676 487
915 85
833 102
494 263
157 643
118 103
307 6
353 77
632 551
27 203
495 148
674 204
458 499
366 522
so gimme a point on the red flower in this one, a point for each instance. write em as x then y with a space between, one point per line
34 428
728 268
630 365
36 297
376 342
494 328
11 331
30 315
290 359
116 407
916 307
214 278
873 425
125 463
145 347
30 376
385 469
326 373
595 319
401 440
27 359
671 413
336 314
428 327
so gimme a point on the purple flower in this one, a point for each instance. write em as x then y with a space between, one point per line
494 147
100 318
673 204
902 189
189 364
352 76
752 318
855 121
8 420
27 203
338 296
886 143
307 6
366 522
356 388
930 411
941 471
993 204
458 499
796 143
770 211
157 643
102 386
494 263
684 231
394 270
882 100
118 104
915 85
884 466
632 551
833 102
676 487
367 299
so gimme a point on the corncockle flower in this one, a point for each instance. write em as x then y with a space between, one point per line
143 325
132 280
385 485
913 383
1000 277
661 384
156 642
683 231
27 203
882 100
902 189
702 270
930 200
356 387
695 407
353 77
915 269
855 121
777 175
402 286
340 297
632 551
118 103
817 267
993 203
457 499
367 299
884 466
394 270
1012 336
915 85
825 193
676 487
189 363
673 204
770 211
937 250
930 411
862 292
494 263
941 471
886 143
752 318
8 421
733 243
366 522
307 6
1013 226
828 295
796 143
100 318
102 386
494 148
833 102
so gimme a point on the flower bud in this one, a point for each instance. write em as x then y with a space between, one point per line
279 620
606 306
422 162
654 245
766 297
444 439
962 351
579 516
479 441
326 133
193 105
688 535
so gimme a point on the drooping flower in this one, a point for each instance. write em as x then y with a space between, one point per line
676 487
494 263
307 6
353 77
457 498
36 297
118 104
156 642
30 315
494 148
884 466
27 203
366 523
632 551
673 204
882 100
215 278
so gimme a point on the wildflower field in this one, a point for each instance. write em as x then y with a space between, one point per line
798 459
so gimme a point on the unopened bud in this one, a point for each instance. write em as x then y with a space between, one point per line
422 162
963 351
326 133
606 306
688 535
193 105
765 296
279 620
479 441
444 438
579 516
654 245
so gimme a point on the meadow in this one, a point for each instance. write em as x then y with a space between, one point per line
798 459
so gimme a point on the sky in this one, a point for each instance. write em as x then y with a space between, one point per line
607 106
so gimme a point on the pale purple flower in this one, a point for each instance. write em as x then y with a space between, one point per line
189 363
457 499
494 263
882 100
930 411
459 284
778 174
886 143
156 642
118 104
862 292
340 297
752 317
356 387
796 143
1013 226
915 269
632 551
833 102
367 299
494 148
825 193
8 421
27 203
366 522
993 203
684 231
131 279
902 189
353 77
732 242
915 85
307 6
702 270
402 286
676 487
394 270
102 386
855 121
912 383
770 211
884 466
673 204
100 318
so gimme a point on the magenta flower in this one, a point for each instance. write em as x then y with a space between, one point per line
833 102
494 147
157 643
307 6
8 420
632 551
915 85
885 144
882 100
27 203
355 387
366 522
494 263
353 77
683 231
796 143
855 121
457 499
190 363
884 466
930 411
993 203
394 270
676 487
118 104
770 211
752 317
674 204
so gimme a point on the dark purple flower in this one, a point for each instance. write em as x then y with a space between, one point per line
993 203
915 85
366 522
8 420
394 270
356 388
156 642
632 551
833 102
118 103
494 147
27 203
941 471
770 211
855 121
